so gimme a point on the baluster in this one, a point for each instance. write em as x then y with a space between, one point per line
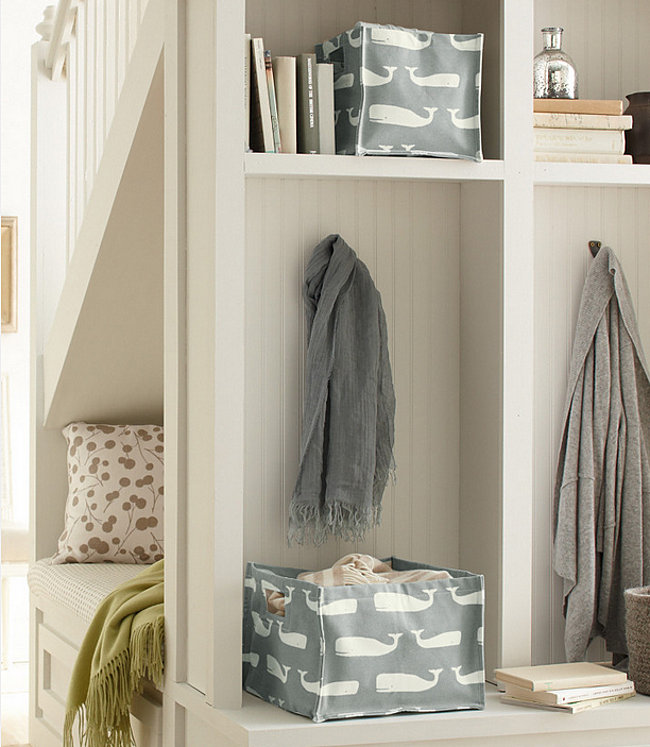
133 24
80 114
100 79
110 64
91 119
123 43
71 79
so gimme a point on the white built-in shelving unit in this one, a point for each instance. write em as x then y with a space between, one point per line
480 267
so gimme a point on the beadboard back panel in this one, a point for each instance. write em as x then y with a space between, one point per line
565 220
291 27
408 235
607 39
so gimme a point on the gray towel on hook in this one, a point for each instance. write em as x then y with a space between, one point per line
349 409
602 487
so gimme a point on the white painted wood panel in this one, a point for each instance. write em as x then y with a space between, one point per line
565 220
607 39
408 235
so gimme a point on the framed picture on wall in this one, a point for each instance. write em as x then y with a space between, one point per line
9 241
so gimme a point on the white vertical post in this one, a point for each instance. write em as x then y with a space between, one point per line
71 83
518 309
123 42
110 64
80 85
91 118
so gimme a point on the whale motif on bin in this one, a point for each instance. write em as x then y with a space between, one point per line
442 640
479 635
353 120
344 81
402 682
401 38
468 123
473 678
386 148
267 586
259 627
250 583
331 45
251 658
354 41
474 597
408 148
278 670
362 646
437 80
399 115
392 601
371 78
467 45
342 687
313 606
296 640
339 607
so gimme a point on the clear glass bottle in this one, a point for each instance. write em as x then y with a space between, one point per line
554 74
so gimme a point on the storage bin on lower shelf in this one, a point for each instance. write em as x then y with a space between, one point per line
366 650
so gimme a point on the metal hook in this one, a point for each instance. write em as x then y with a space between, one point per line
594 247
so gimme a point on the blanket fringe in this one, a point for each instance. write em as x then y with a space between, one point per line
104 718
312 524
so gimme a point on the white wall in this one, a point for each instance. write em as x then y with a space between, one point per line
18 19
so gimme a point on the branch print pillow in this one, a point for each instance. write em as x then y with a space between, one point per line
114 511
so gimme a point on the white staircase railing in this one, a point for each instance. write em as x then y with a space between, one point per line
90 46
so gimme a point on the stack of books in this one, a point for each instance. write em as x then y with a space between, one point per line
289 102
573 687
580 130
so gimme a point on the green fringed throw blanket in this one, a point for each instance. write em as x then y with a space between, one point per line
123 645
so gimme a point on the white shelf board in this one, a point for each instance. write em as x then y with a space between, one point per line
259 724
370 167
592 174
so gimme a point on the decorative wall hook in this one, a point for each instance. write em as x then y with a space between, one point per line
594 247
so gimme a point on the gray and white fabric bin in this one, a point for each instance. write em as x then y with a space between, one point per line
364 650
406 92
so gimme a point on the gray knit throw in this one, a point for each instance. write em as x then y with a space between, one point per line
637 631
349 408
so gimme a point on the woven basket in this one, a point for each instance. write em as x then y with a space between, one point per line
637 630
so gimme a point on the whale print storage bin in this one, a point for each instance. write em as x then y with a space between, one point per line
367 650
405 92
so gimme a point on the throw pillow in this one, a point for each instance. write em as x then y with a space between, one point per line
114 511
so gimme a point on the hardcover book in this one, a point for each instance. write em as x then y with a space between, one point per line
578 106
570 695
575 157
261 135
583 121
325 97
560 139
584 705
560 676
308 129
275 126
284 74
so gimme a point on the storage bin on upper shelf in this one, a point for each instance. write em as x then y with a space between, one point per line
405 91
365 650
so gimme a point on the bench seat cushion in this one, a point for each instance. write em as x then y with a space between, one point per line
80 587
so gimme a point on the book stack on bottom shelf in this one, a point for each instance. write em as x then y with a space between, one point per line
580 131
571 688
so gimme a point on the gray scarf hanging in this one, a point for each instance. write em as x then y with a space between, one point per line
349 409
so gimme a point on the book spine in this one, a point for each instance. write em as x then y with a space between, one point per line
583 121
558 139
308 135
284 73
272 102
585 705
325 86
247 92
579 106
582 157
262 95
